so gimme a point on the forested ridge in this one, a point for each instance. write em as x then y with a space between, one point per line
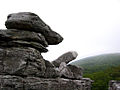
101 69
98 63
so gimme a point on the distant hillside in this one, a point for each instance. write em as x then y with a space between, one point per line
99 62
102 78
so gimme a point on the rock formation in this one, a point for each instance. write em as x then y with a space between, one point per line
22 66
32 22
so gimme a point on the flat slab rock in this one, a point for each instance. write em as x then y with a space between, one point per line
21 43
34 83
32 22
14 34
66 57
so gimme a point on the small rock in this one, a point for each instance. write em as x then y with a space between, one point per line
32 22
67 57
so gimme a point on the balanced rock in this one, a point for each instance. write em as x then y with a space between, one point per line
70 71
66 57
32 22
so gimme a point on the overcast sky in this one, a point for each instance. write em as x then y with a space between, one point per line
89 27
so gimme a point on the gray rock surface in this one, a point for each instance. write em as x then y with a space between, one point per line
32 22
70 71
34 83
13 34
66 57
65 71
22 66
18 43
51 71
77 71
21 61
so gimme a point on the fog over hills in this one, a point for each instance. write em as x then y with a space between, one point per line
99 62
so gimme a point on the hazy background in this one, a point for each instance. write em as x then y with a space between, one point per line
89 27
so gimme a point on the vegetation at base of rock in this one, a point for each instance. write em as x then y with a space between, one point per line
102 78
99 62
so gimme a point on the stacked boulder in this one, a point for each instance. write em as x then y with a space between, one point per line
22 66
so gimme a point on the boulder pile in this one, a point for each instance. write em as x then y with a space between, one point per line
22 66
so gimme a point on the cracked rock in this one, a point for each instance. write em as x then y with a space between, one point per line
32 22
14 34
16 61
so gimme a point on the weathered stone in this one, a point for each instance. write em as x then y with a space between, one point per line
77 71
18 43
67 57
51 71
17 61
22 66
32 22
70 71
34 83
65 71
13 34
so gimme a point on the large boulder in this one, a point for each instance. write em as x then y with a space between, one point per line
66 57
21 61
32 22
